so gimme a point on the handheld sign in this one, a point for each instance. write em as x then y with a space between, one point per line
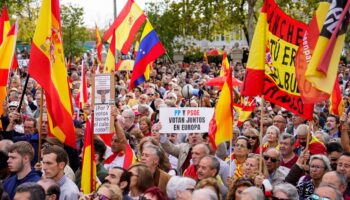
185 120
103 96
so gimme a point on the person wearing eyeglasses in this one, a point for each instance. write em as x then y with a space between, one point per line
277 173
107 192
280 122
141 179
253 135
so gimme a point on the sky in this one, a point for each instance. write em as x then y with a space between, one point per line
100 11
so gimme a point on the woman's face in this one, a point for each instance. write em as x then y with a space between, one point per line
241 148
317 169
252 138
134 177
103 193
250 167
144 127
239 191
271 136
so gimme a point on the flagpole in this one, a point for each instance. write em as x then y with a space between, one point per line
167 55
311 128
261 133
40 122
23 93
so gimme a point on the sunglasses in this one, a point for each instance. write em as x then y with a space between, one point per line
316 197
266 157
252 137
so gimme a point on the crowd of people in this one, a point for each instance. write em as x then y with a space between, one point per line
142 163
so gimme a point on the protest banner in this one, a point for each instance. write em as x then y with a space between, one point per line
102 100
185 120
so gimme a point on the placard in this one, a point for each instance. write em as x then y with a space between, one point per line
185 120
103 97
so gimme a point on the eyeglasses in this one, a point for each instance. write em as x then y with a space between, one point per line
100 196
277 198
278 121
266 157
316 167
150 94
129 96
316 197
334 159
251 137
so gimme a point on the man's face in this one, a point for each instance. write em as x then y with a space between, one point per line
343 166
113 176
331 123
22 196
15 162
325 192
28 127
302 139
333 158
204 170
128 121
117 144
197 154
194 138
271 160
286 148
331 178
51 167
279 122
297 120
151 94
149 157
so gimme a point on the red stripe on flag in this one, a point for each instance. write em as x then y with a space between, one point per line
250 88
3 76
138 23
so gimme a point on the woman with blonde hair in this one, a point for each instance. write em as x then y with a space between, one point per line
212 184
108 191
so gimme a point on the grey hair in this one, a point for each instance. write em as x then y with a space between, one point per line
324 159
215 164
288 136
178 183
254 192
203 148
338 195
325 136
210 194
272 127
302 129
35 190
130 113
157 151
288 189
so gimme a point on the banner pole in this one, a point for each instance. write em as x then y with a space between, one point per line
261 133
40 122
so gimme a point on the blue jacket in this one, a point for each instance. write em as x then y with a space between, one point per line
12 182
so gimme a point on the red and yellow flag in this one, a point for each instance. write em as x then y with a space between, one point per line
4 25
271 64
7 50
110 62
47 67
245 108
83 93
88 169
318 60
336 100
126 26
225 64
98 47
221 125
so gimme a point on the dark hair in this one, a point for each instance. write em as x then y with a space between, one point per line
145 178
249 146
31 119
215 164
334 146
336 118
125 176
61 154
100 148
54 189
23 148
35 190
236 184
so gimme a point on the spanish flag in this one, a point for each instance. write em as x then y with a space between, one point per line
4 24
110 63
98 47
245 108
48 68
83 93
221 125
331 25
88 172
126 26
7 50
336 100
225 64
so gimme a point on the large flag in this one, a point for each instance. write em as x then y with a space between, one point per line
244 109
126 26
111 59
48 68
4 24
317 62
149 50
98 47
7 50
88 169
221 125
225 65
271 66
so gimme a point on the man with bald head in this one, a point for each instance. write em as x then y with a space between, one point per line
336 179
315 146
198 152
